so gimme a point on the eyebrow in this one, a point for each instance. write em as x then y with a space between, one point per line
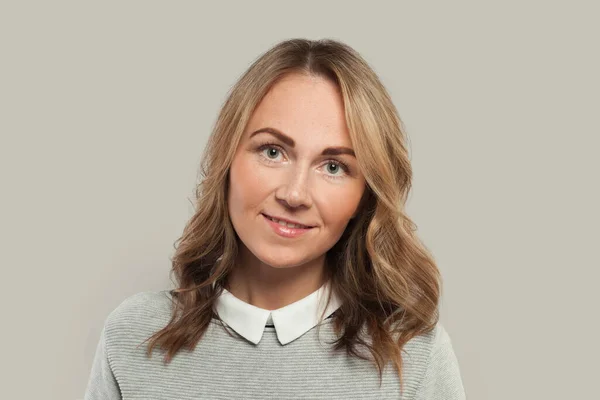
329 151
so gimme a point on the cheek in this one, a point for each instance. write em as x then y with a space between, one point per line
247 185
337 206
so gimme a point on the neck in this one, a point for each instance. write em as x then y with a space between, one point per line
271 288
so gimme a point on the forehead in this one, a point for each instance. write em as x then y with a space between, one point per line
303 107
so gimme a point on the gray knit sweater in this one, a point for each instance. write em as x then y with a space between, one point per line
225 367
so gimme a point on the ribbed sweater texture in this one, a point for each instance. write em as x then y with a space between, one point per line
226 367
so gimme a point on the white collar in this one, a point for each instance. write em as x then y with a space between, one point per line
291 321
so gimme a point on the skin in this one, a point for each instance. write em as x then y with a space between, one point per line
297 183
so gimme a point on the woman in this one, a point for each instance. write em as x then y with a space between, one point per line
300 274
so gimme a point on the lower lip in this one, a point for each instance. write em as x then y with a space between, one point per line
284 230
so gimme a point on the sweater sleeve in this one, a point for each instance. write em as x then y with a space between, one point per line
442 380
102 384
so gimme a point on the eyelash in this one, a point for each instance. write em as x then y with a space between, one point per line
267 145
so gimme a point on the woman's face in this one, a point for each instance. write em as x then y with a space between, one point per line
295 162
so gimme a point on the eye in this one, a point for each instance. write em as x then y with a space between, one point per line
272 152
333 167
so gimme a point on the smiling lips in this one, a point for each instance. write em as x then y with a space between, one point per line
287 223
286 230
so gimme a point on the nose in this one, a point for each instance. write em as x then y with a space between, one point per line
294 192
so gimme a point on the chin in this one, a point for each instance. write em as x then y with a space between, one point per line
281 264
282 261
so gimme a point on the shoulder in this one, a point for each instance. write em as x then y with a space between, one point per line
427 358
421 346
141 305
429 343
437 372
438 338
139 314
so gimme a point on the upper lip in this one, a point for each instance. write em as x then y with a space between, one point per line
291 221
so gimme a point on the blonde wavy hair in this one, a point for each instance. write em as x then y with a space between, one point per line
387 280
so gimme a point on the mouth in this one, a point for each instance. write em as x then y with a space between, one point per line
286 223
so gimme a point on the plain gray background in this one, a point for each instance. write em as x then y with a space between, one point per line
106 107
